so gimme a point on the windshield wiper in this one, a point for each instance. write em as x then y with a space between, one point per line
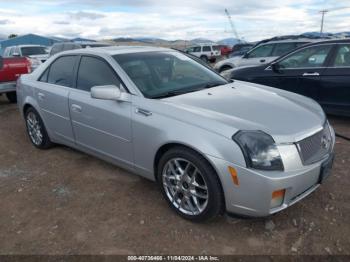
169 94
214 84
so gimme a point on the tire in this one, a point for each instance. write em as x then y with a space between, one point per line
195 196
224 68
36 130
204 58
12 97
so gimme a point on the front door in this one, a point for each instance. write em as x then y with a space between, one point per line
301 72
100 126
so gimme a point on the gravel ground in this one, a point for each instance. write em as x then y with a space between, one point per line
62 201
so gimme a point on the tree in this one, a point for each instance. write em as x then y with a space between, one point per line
12 36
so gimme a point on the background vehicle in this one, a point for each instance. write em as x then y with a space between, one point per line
261 54
10 70
36 53
240 49
225 50
149 110
65 46
206 52
320 70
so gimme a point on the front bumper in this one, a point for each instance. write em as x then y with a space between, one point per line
252 197
7 87
253 194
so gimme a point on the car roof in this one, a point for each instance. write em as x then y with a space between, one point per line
288 41
116 50
30 46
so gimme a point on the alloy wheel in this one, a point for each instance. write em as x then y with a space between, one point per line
185 186
34 129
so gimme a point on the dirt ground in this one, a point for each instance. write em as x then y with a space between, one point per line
62 201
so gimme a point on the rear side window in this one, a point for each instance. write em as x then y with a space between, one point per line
95 72
197 49
283 48
56 49
206 49
44 76
62 71
261 51
342 58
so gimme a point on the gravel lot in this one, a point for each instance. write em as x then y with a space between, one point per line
65 202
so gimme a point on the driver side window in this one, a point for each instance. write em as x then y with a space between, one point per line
311 57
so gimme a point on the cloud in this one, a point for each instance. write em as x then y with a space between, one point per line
5 22
61 22
253 19
85 15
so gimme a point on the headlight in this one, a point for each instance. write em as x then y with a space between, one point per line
259 150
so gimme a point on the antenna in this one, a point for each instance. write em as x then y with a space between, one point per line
233 28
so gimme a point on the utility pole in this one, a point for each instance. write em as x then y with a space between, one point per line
323 12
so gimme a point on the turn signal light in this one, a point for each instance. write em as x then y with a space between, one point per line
277 198
234 175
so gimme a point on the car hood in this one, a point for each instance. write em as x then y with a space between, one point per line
287 117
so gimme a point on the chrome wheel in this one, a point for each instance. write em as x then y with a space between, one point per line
185 186
34 128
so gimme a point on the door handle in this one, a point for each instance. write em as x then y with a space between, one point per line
143 112
311 74
262 61
76 108
41 96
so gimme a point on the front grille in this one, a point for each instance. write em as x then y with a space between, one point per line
315 147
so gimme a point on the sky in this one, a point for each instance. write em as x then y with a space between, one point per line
171 20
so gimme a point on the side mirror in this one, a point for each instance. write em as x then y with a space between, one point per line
16 54
246 55
276 67
109 92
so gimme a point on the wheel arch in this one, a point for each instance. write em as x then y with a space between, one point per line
166 147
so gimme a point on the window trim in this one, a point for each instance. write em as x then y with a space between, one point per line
103 60
48 68
325 64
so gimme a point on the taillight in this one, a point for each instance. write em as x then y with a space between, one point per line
29 65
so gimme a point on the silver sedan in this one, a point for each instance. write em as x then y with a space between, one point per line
211 145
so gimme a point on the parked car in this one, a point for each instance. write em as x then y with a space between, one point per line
10 70
36 53
241 50
240 46
261 54
319 70
206 52
210 144
65 46
225 50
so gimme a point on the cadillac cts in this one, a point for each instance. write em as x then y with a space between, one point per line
211 145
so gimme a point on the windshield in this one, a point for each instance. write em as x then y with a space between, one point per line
33 50
163 74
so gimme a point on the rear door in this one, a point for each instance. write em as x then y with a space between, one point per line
335 90
100 126
52 92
